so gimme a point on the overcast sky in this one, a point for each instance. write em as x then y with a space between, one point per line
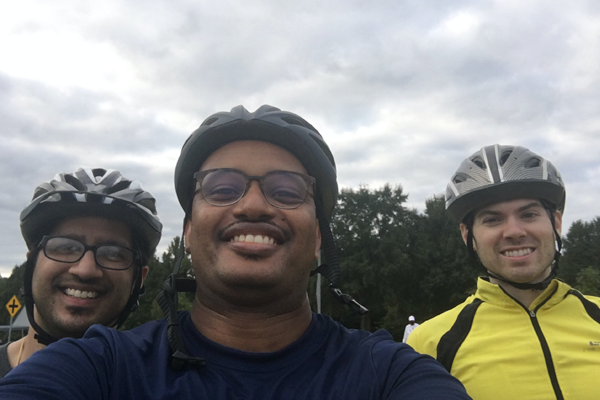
402 91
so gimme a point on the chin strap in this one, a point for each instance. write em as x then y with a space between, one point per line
529 286
331 270
168 300
40 335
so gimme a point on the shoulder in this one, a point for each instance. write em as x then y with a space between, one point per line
395 369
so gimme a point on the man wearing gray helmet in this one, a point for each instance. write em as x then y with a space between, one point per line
258 190
90 235
524 334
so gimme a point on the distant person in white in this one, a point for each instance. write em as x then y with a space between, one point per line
409 328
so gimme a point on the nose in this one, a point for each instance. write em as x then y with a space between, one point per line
514 228
254 205
86 268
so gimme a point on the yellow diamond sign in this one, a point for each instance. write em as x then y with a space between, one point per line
13 306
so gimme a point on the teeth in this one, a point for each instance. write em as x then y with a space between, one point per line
81 294
253 239
517 253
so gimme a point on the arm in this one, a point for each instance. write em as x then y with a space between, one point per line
68 369
408 375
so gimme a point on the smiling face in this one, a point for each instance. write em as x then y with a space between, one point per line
251 253
70 297
514 239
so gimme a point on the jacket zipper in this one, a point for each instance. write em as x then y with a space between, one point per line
547 355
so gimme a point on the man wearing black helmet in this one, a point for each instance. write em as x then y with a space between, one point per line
67 288
524 334
258 190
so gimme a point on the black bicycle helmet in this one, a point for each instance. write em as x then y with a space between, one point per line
90 192
268 124
499 173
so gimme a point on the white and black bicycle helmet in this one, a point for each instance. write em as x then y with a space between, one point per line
499 173
90 192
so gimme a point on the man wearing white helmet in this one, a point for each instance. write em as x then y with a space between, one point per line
258 190
412 324
90 235
523 334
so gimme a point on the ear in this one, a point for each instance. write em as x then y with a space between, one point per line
187 231
318 242
558 221
464 232
144 274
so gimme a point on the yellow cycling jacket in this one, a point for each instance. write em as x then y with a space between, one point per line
501 350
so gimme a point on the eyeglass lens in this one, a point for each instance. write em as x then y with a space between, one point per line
71 250
281 188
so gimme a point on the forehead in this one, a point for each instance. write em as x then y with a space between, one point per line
253 157
508 206
93 230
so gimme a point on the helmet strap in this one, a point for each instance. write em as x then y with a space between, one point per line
168 300
41 335
332 270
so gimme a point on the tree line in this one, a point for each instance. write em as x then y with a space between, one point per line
396 261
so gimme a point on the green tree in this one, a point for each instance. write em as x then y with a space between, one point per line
396 261
158 272
581 250
446 274
372 228
588 281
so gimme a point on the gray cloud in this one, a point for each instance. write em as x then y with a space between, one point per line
402 91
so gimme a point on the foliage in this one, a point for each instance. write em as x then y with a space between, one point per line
395 261
8 288
581 250
158 273
588 281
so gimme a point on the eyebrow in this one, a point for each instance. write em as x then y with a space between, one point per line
525 207
101 242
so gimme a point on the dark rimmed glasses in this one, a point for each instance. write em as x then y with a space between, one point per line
69 250
226 186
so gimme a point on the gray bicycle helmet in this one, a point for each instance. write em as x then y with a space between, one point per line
499 173
98 191
90 192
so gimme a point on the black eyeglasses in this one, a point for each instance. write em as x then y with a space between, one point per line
226 186
68 250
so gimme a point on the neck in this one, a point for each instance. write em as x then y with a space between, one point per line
525 297
258 332
29 345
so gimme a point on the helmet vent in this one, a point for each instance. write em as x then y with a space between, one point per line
118 187
479 162
533 163
76 183
459 178
504 157
209 121
293 121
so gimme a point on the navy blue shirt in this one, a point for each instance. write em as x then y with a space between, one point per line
329 361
